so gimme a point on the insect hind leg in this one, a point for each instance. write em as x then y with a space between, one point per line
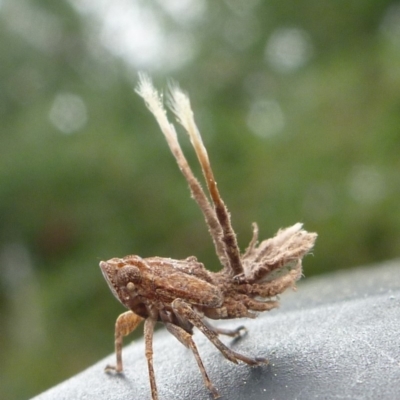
186 339
185 310
236 333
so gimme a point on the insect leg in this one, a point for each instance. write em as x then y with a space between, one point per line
185 311
125 324
237 332
186 339
148 340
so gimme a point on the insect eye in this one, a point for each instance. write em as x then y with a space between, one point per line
129 274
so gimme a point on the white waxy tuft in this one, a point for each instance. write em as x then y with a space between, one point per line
179 104
150 95
153 100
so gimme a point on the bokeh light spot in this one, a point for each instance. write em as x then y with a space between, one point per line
68 113
366 184
266 118
288 49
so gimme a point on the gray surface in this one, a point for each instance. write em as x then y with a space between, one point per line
336 338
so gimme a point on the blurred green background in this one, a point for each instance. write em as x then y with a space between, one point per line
299 106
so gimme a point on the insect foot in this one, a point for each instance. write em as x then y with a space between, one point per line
183 294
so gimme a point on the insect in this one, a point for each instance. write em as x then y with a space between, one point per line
183 294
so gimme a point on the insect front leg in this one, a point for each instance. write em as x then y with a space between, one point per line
148 340
184 310
186 339
125 324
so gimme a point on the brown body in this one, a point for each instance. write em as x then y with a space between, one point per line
156 282
149 286
182 294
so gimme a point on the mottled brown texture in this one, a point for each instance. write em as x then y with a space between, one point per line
182 294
